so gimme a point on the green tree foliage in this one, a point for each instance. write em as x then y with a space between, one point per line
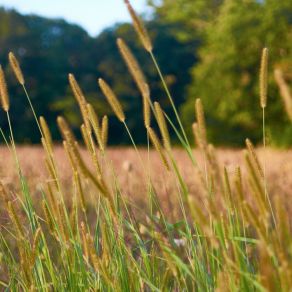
226 78
50 49
47 50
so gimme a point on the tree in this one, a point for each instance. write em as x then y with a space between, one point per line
49 49
226 77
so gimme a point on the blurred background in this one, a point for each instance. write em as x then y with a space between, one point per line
207 49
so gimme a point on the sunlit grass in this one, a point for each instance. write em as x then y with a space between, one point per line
89 236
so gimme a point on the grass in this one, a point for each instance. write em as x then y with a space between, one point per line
87 235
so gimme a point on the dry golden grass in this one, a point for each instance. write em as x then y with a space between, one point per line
130 173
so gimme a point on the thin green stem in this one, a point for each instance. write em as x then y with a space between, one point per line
13 144
169 96
4 138
265 179
32 109
135 147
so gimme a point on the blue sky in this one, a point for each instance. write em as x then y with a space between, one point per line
93 15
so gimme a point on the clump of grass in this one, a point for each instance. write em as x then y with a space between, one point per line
230 237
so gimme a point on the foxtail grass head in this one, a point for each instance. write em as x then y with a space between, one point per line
65 130
201 122
47 133
264 78
139 27
3 91
75 87
284 91
93 118
253 156
80 99
16 68
112 100
156 143
132 64
146 105
104 131
196 134
162 126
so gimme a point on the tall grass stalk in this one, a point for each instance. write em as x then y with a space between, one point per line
263 102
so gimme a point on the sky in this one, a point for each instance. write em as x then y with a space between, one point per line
93 15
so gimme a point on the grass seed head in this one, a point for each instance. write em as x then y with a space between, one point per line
104 131
201 122
93 118
132 64
284 91
69 155
16 68
264 78
196 134
146 105
84 241
112 100
36 240
254 157
79 190
156 143
80 99
139 27
4 194
47 133
16 221
65 129
3 91
162 126
86 138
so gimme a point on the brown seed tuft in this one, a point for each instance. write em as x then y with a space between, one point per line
47 134
86 139
74 154
146 105
79 190
84 242
16 68
284 91
196 134
15 219
3 91
93 118
254 157
4 194
36 240
138 77
65 129
104 131
201 122
80 99
155 141
112 100
132 64
140 28
264 78
162 125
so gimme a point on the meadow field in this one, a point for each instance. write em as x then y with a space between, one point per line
80 215
129 172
